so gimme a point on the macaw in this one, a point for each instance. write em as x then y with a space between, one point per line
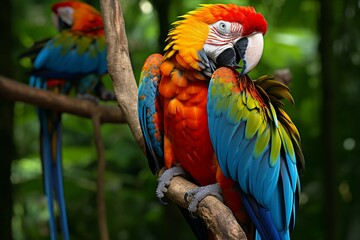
76 57
202 116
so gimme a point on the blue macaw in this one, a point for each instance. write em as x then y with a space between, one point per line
76 57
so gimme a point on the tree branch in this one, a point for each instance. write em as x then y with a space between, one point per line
15 91
100 198
119 66
219 219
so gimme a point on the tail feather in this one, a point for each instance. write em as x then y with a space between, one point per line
257 236
58 184
261 219
52 169
47 173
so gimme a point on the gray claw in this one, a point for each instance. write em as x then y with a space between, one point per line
164 181
194 196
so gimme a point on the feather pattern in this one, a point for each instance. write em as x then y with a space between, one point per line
60 55
76 56
240 123
257 146
149 112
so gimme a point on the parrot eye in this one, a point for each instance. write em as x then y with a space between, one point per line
222 27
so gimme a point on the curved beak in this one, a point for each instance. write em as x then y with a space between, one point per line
59 23
250 50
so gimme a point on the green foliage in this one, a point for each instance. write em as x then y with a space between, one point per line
133 211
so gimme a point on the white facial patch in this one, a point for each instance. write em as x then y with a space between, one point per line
66 14
221 36
213 51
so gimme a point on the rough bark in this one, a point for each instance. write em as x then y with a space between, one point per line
15 91
100 189
119 66
218 217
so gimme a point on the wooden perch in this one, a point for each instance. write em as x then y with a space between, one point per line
15 91
100 198
218 218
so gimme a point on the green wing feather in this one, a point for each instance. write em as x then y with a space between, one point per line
255 141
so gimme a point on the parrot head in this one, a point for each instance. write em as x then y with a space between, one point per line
216 35
77 16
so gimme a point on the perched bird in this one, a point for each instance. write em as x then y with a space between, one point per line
76 57
202 116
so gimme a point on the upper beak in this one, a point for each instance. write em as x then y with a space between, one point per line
250 50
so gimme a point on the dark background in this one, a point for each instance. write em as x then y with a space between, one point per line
319 41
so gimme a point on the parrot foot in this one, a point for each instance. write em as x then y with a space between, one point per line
164 181
196 195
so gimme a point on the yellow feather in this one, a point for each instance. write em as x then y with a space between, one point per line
244 112
289 148
263 125
240 103
250 103
187 38
262 141
83 44
244 98
273 114
275 146
233 112
252 124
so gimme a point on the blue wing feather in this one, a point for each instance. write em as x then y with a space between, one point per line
267 176
269 179
147 111
261 218
54 60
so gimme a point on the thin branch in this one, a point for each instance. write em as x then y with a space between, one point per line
15 91
100 198
119 66
217 216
